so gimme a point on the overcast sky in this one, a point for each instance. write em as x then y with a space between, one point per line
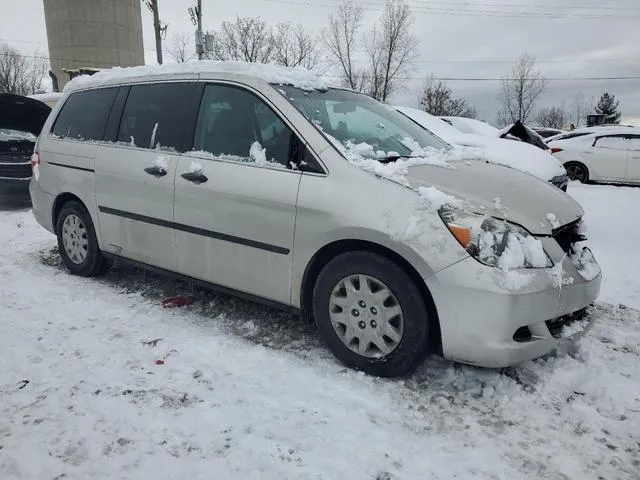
571 39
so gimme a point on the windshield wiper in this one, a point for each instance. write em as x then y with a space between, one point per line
393 158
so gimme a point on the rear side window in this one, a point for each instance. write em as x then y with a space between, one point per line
154 114
84 114
613 142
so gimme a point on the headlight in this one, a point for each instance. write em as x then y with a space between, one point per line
495 242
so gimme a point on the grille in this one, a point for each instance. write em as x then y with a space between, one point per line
15 171
567 236
555 325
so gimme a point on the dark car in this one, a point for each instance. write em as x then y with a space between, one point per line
21 119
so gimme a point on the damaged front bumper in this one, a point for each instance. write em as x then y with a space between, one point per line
495 318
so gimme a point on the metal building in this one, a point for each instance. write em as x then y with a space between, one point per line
90 34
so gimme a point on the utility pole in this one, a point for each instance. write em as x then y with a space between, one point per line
196 19
158 28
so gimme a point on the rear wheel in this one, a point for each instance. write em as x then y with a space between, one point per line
370 314
577 171
77 241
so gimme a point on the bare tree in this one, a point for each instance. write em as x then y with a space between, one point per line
437 99
159 28
520 90
552 117
247 38
20 74
180 48
579 109
341 39
293 46
398 45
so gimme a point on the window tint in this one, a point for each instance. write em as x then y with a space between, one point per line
235 124
616 143
154 115
84 114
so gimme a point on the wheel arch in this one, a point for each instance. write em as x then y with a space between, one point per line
335 248
582 163
60 201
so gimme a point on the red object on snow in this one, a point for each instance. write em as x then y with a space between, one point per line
159 362
177 302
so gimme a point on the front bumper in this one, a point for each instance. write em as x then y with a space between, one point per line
493 318
42 205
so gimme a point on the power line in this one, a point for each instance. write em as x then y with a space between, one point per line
377 5
444 78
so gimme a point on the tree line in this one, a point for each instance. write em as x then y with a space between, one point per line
376 61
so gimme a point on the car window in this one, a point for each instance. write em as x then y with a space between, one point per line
235 124
612 142
84 115
357 121
634 143
153 115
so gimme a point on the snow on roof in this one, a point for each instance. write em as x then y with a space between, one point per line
297 76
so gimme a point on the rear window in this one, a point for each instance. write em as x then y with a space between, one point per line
84 114
153 115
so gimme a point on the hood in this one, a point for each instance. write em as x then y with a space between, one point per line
514 154
525 134
22 113
536 205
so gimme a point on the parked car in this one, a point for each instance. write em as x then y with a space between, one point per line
603 154
50 98
20 121
518 155
265 182
546 132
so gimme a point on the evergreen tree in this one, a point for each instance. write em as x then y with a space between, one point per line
608 106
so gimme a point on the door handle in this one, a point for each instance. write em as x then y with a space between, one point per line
195 177
156 171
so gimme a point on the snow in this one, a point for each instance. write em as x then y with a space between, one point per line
553 220
194 167
249 392
612 235
49 97
470 125
515 154
257 153
296 76
161 163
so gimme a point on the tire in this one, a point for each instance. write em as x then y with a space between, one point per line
577 171
81 230
407 348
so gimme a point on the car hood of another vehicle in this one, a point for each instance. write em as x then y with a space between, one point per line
501 192
514 154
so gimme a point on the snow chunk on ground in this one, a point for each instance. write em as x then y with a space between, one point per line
299 77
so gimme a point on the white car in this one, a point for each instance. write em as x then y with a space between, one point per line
518 155
609 154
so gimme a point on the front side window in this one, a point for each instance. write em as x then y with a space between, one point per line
234 124
153 115
612 142
358 121
84 115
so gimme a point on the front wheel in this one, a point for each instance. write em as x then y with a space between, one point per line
77 241
577 171
370 314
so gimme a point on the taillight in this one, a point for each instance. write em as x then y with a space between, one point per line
35 160
555 150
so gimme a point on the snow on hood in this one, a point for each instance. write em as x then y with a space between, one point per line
510 153
501 192
299 77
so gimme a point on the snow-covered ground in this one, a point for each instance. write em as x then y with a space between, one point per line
245 392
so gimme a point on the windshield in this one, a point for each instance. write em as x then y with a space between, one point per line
356 120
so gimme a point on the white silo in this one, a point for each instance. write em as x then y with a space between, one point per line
93 34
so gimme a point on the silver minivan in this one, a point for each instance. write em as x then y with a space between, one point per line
265 182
